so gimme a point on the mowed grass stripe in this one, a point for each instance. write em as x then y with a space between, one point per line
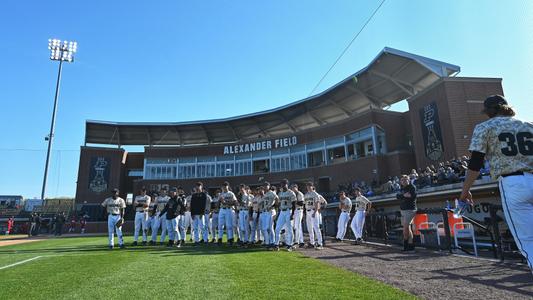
83 268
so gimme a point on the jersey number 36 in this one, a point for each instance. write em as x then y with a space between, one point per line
520 143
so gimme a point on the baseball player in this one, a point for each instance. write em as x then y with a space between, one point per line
345 205
287 202
313 202
200 204
215 205
244 204
159 219
150 223
268 201
187 218
227 202
362 205
141 204
255 229
298 216
507 143
173 211
115 207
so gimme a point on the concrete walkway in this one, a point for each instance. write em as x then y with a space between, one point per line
429 274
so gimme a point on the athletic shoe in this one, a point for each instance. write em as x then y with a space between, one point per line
182 242
212 241
170 243
319 247
122 246
111 247
290 248
152 243
310 246
196 244
301 245
178 244
219 243
144 243
275 248
161 243
134 243
259 242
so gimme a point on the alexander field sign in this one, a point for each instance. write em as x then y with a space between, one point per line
261 146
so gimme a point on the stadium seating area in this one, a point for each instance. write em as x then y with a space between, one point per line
448 172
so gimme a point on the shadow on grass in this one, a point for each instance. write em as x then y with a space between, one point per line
187 249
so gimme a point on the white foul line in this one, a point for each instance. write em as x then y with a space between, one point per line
20 262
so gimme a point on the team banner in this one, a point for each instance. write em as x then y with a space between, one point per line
429 116
99 174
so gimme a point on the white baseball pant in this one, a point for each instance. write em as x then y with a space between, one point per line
199 227
313 227
254 229
225 219
297 220
188 223
267 227
358 223
214 225
517 201
284 221
244 226
172 228
344 218
141 219
159 222
235 220
111 227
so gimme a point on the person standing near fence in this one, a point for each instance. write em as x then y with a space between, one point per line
407 196
362 205
507 143
345 205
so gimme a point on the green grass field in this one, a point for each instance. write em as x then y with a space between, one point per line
70 268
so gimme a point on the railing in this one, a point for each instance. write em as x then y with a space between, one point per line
383 226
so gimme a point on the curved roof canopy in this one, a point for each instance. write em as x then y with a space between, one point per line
392 76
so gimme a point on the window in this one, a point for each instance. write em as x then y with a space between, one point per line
243 168
336 155
186 171
205 170
315 159
261 166
298 161
225 169
157 161
280 164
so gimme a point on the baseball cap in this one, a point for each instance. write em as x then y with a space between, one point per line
114 191
174 189
284 181
493 101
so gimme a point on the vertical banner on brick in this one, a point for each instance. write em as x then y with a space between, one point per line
99 174
429 117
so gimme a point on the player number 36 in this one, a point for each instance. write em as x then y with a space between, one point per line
514 144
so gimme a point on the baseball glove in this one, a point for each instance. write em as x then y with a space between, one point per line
119 223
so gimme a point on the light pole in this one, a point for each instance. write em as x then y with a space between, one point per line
61 51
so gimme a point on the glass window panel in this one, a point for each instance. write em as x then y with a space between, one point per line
315 146
262 154
183 160
206 158
335 141
280 151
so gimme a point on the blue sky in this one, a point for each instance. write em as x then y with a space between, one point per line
179 61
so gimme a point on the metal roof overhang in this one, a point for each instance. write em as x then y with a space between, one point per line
392 76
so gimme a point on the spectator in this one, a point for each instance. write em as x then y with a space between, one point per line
59 221
10 223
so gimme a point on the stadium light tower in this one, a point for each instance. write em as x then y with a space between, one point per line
60 51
